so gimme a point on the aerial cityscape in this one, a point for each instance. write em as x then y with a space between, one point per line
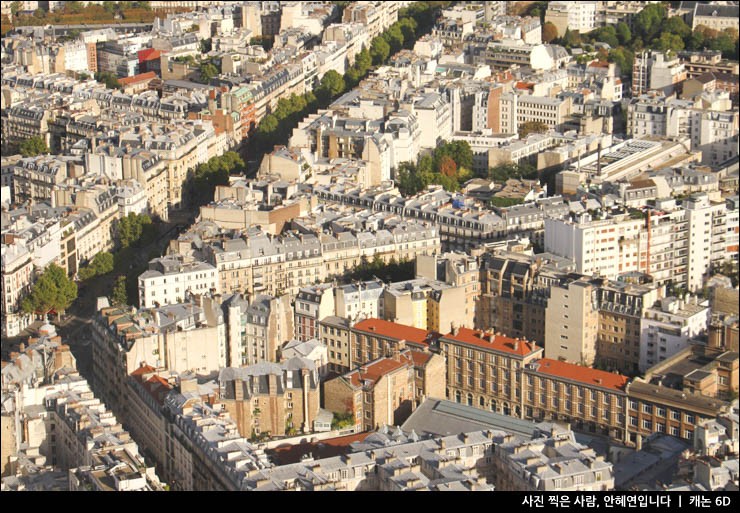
370 246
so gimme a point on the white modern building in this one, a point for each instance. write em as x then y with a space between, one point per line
667 328
170 280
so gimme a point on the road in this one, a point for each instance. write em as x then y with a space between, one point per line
74 327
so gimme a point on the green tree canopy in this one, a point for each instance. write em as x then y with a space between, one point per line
109 79
459 151
52 291
101 264
394 37
647 22
379 51
33 146
135 230
624 34
119 296
207 71
333 83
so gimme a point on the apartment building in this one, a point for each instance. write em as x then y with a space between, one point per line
360 300
589 399
17 268
514 290
371 339
61 424
272 398
376 16
706 222
268 326
311 305
572 322
171 279
484 369
580 16
385 391
38 177
425 304
548 461
335 337
204 445
622 309
654 70
668 327
682 392
708 120
313 350
178 338
459 270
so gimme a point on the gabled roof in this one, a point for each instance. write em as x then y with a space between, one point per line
493 342
393 330
586 375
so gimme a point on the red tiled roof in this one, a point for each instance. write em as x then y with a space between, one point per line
141 77
286 454
419 358
499 343
598 64
586 375
144 369
524 85
393 330
375 370
149 54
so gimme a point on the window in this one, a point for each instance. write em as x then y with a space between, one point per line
674 431
647 424
675 415
647 408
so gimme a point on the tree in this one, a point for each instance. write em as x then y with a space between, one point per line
607 34
135 229
119 296
109 79
101 264
363 61
39 13
333 83
109 6
668 41
676 25
624 34
647 22
408 179
447 166
459 151
206 45
394 37
207 71
408 28
532 127
52 291
15 7
33 146
549 32
624 59
379 51
73 7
